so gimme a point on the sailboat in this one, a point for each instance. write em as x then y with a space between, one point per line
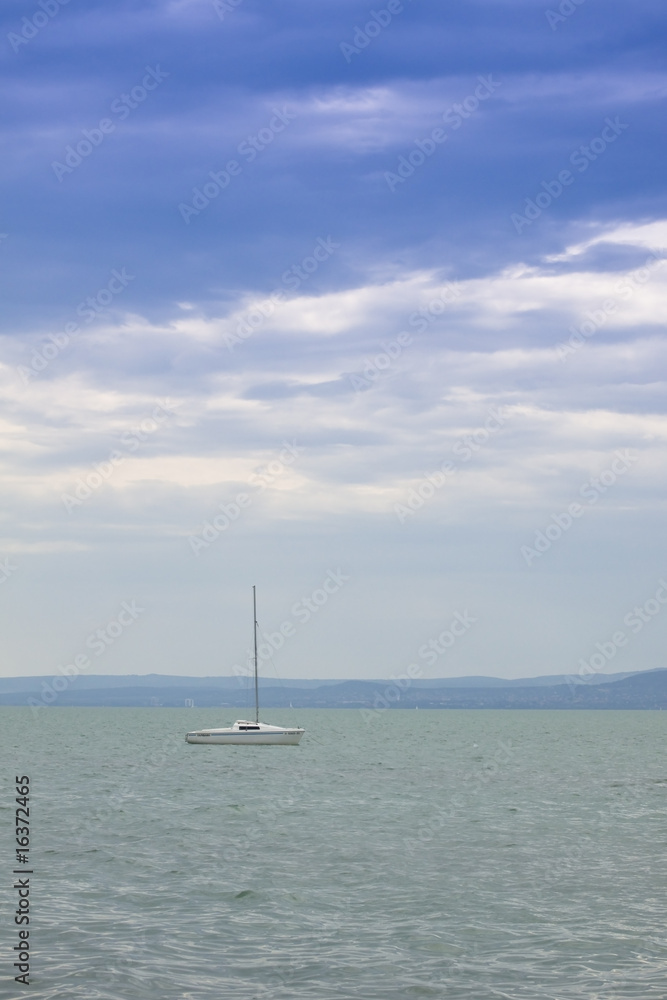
250 733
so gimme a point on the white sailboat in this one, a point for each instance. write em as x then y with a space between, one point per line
250 733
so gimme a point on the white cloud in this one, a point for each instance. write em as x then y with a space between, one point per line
649 235
362 450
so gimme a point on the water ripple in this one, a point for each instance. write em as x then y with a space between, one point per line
462 855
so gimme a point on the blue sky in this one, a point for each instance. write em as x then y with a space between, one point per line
381 288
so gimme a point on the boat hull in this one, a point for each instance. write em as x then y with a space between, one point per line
287 737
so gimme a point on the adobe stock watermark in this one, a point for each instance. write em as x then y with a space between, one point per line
132 440
300 787
581 159
89 309
429 828
429 651
566 9
132 947
224 7
377 22
292 279
464 449
31 26
99 642
150 765
377 366
263 477
591 491
7 569
635 620
303 610
595 319
583 851
249 149
453 118
121 107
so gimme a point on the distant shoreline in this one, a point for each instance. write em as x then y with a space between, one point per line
645 690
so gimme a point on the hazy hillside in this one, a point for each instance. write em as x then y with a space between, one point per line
644 690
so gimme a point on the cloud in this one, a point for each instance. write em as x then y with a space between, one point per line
494 344
382 362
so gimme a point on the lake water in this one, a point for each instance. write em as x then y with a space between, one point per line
453 854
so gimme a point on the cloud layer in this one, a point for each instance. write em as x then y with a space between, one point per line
277 308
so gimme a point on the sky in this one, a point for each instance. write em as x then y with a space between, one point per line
362 305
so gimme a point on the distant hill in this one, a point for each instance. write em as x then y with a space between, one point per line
639 690
97 681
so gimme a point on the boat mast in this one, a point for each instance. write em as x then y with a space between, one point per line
254 620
